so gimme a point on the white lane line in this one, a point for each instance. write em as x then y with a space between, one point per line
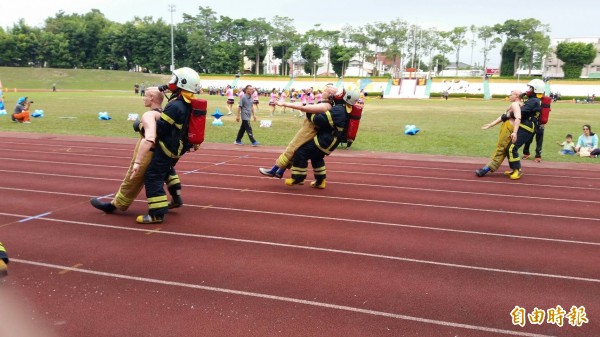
39 216
334 161
394 175
368 222
282 299
365 200
330 250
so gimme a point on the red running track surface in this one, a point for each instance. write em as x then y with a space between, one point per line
396 245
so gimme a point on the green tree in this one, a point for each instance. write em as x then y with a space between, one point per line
259 33
396 36
530 40
575 56
340 56
284 40
83 33
21 46
376 32
490 40
359 38
311 53
457 39
325 39
441 62
511 53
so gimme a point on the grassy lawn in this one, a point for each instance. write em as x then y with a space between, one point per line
447 127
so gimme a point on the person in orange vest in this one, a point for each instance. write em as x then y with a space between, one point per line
21 112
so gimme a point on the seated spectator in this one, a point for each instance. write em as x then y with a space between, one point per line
587 142
568 146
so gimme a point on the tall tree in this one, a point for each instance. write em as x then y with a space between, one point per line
284 40
457 39
530 38
360 39
325 39
376 32
340 56
490 39
396 36
258 32
311 53
575 56
512 52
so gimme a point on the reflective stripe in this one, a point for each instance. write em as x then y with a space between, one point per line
527 128
173 180
158 202
330 119
169 153
299 170
510 154
320 171
123 200
170 120
328 149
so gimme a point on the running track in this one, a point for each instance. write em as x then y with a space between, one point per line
397 245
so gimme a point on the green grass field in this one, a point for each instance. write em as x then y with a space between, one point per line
447 127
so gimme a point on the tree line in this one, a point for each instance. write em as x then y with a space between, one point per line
219 44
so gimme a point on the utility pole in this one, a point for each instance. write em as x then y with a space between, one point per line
172 10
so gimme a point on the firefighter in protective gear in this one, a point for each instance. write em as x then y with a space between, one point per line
529 114
131 187
330 126
504 136
539 88
171 142
355 99
3 261
307 132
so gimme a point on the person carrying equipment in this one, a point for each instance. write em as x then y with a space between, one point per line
529 114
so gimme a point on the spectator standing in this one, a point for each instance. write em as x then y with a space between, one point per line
244 114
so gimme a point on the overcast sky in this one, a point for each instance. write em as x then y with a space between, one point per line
575 18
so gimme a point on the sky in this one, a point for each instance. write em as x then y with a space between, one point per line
572 19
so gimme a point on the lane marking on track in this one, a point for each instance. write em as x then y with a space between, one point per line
66 270
579 201
367 222
361 173
335 161
156 230
189 172
331 250
39 216
283 299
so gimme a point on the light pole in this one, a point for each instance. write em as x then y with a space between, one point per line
172 10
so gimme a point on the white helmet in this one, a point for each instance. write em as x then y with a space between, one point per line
187 79
352 95
538 86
